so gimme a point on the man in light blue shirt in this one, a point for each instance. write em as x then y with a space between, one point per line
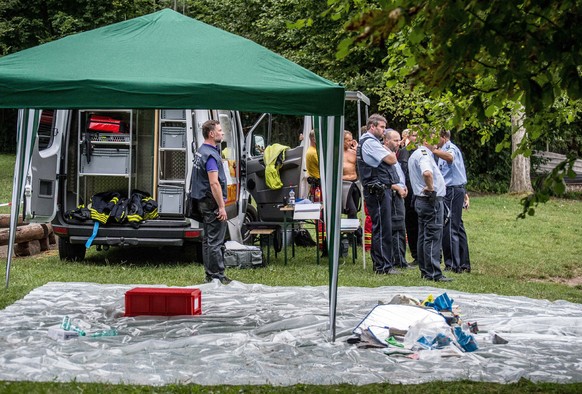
452 166
428 186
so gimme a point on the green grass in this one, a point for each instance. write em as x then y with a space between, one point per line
6 175
537 257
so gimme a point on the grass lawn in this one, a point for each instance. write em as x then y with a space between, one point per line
538 257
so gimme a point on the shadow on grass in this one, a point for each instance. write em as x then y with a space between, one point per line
145 256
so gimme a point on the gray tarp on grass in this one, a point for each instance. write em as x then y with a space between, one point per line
256 334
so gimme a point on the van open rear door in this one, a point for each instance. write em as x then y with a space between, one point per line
41 188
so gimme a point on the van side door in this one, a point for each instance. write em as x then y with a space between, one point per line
43 178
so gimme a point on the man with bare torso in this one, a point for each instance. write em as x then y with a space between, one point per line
350 145
350 190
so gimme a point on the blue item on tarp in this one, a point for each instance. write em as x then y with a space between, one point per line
441 303
467 342
438 342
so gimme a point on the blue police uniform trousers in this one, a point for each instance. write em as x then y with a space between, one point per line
411 220
430 232
213 240
398 230
455 246
379 209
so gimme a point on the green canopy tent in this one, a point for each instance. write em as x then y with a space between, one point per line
167 60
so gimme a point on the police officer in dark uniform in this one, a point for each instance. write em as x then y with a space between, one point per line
377 174
452 166
429 189
208 188
410 218
399 193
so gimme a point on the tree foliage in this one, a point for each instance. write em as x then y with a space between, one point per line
472 63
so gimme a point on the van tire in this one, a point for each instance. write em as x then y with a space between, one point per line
69 251
251 215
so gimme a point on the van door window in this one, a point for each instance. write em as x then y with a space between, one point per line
228 146
229 153
46 129
259 134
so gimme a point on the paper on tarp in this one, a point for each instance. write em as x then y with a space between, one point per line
382 318
307 211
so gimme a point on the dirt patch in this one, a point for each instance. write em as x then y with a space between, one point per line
572 282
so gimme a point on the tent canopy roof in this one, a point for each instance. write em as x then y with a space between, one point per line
163 60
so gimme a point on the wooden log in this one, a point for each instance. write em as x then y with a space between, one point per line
44 244
5 220
25 233
27 248
22 249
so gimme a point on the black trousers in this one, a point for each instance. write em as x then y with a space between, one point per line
398 230
411 220
380 211
455 246
352 202
213 241
430 235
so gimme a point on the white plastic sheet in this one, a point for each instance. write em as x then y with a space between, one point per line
255 334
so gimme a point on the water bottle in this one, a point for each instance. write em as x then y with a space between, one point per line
104 333
291 200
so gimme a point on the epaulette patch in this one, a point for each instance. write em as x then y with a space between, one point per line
424 152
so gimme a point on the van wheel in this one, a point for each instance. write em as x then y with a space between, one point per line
250 216
69 251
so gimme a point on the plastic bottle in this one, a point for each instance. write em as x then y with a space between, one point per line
104 333
317 194
291 200
66 324
78 330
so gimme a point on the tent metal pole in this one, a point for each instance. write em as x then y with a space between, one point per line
16 189
362 212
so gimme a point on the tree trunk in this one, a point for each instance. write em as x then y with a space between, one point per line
520 165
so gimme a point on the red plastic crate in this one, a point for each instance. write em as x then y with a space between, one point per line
163 301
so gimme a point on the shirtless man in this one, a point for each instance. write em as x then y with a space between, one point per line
350 146
350 176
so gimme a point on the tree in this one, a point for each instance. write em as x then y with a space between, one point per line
520 165
489 56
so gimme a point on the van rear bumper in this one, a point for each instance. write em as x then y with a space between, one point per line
122 241
151 233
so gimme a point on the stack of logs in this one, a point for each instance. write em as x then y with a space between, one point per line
30 238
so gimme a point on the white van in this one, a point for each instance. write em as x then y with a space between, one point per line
121 151
81 153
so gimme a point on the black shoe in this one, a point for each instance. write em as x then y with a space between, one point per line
392 271
407 266
450 269
439 279
225 280
465 269
207 279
